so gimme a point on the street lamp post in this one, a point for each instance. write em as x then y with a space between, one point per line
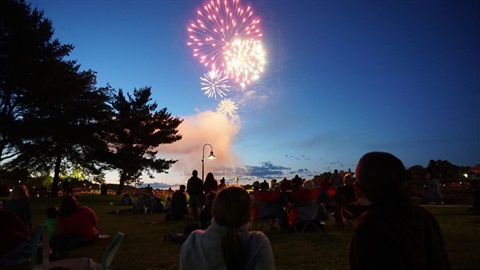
211 156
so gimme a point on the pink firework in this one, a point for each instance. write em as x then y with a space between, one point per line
217 24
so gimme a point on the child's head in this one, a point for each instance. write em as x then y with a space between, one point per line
231 207
52 212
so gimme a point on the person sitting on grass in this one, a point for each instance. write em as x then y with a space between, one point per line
393 233
19 203
76 225
168 204
475 208
227 243
16 241
179 204
139 204
52 222
157 205
206 213
126 200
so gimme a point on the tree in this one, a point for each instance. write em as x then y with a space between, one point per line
61 129
137 128
26 48
51 114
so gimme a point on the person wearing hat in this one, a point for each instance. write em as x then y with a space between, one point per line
393 233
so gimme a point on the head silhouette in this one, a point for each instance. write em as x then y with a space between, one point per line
68 207
232 207
381 176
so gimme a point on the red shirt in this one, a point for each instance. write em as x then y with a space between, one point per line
82 223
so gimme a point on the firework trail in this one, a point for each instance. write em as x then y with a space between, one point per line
218 24
214 83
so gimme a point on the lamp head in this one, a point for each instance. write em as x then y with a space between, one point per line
211 156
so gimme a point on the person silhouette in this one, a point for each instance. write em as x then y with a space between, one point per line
393 233
195 191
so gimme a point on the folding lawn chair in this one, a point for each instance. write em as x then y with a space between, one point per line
267 210
305 206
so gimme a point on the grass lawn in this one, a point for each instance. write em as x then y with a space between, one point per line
145 248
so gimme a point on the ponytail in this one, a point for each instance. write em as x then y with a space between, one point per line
231 209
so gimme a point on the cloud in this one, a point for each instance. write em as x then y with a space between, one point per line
267 170
197 130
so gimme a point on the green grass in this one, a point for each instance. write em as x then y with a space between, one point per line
144 247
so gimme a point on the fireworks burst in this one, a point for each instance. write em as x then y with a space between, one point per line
214 83
245 61
228 108
218 24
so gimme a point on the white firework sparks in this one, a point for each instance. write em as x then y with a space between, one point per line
245 61
214 83
228 108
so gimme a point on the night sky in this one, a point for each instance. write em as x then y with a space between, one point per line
342 78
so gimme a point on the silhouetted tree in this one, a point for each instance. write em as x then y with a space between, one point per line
137 129
26 48
64 125
50 111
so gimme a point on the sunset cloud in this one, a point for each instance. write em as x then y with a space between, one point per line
197 130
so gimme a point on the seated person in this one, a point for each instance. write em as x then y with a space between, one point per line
157 205
168 204
138 206
393 233
475 208
52 222
76 225
206 213
19 203
179 204
126 200
16 241
227 243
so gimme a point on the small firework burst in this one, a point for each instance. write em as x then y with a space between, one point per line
214 83
228 108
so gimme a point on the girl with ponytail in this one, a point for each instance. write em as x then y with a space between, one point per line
227 243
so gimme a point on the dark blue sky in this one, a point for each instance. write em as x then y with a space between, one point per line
343 78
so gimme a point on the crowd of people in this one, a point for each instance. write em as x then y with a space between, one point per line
389 231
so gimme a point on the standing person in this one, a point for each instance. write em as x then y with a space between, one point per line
19 203
195 191
76 225
222 184
297 182
336 180
210 184
393 233
228 236
179 204
67 188
433 176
